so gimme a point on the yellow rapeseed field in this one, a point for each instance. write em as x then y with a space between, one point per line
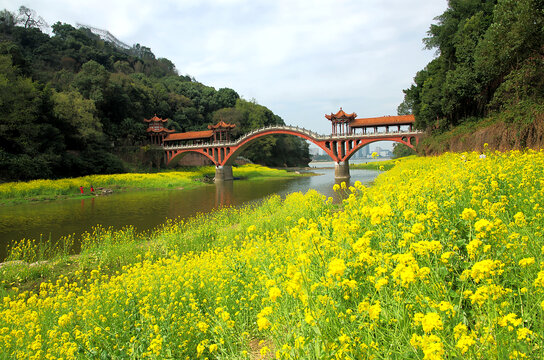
50 189
441 259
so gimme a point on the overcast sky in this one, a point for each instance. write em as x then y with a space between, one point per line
302 59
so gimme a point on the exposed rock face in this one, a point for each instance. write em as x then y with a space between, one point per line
498 136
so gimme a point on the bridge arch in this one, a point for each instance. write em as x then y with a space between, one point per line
339 149
174 156
245 141
405 140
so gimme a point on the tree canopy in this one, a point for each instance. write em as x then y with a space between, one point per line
489 62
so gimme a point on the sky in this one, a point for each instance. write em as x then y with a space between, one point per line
302 59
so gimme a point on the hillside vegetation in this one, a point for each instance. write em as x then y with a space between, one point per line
73 104
487 77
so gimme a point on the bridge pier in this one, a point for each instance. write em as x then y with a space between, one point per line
223 173
341 170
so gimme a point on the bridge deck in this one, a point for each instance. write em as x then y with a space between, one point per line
295 129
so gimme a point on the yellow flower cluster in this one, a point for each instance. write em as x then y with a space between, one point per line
441 258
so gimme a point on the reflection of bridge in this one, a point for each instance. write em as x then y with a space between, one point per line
340 147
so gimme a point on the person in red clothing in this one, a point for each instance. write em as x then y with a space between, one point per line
92 189
81 189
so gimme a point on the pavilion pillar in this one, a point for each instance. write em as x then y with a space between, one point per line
341 170
223 173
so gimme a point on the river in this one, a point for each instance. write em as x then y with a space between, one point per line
146 209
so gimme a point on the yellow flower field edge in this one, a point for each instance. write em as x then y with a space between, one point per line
441 259
62 188
382 165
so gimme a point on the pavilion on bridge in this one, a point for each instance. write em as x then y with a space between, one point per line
218 133
347 124
156 130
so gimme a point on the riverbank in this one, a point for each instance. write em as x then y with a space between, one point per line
31 262
41 190
503 132
440 258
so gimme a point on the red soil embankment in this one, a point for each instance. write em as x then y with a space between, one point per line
499 136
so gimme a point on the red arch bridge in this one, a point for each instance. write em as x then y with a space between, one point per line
339 147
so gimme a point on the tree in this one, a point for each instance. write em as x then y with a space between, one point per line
79 114
401 150
30 19
406 106
91 81
19 109
484 47
7 21
143 52
225 98
29 144
513 41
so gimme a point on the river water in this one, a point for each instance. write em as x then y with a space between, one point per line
146 209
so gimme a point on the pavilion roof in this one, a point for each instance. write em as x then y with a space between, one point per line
383 121
221 124
160 130
155 119
190 135
341 114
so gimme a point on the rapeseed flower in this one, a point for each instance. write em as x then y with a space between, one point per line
337 267
433 258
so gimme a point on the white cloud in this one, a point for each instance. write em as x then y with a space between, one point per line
300 58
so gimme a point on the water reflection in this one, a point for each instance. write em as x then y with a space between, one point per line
146 209
224 193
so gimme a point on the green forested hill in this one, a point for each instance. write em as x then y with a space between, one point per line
71 103
489 64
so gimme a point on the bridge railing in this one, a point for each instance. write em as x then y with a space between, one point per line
298 129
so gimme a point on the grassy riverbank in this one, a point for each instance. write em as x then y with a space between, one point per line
441 258
36 190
